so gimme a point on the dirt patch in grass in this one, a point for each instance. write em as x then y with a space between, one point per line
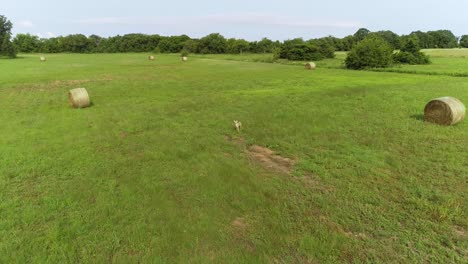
264 156
240 229
270 160
239 224
460 232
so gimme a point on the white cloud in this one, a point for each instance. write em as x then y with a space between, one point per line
45 35
253 19
278 20
25 24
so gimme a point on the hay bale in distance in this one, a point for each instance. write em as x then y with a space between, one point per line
43 59
79 98
445 111
184 58
151 58
310 66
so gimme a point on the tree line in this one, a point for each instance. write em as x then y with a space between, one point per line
217 44
295 49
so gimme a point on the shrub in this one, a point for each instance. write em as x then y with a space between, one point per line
404 57
410 53
372 52
184 53
299 50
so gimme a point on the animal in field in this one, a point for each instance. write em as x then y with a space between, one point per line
237 125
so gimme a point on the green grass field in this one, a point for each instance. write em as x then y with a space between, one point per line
154 171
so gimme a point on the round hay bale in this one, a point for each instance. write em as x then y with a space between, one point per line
445 111
184 58
79 98
310 66
43 59
151 58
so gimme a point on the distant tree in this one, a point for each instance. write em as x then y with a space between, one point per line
425 40
443 39
265 46
464 41
410 53
8 49
6 46
348 43
392 38
236 46
192 45
78 43
52 45
299 50
213 44
326 46
95 42
173 44
361 34
372 52
27 43
334 42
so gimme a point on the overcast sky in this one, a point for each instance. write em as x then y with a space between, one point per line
253 19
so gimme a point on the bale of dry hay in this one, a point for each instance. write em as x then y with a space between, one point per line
43 59
445 111
184 59
79 98
151 58
310 66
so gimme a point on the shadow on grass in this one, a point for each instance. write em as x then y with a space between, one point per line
419 117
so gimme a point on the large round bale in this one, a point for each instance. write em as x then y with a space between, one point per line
445 111
310 66
43 59
151 58
184 58
79 98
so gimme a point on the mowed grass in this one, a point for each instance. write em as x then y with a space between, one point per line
147 174
450 62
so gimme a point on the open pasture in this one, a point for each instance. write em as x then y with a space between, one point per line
155 172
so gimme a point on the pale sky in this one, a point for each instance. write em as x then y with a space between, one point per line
251 20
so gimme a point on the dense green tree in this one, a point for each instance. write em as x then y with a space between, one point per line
326 46
410 53
301 52
348 43
213 44
173 44
361 34
372 52
464 41
425 40
6 46
263 46
335 43
78 43
392 38
236 46
8 49
298 49
27 43
443 39
192 45
52 45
